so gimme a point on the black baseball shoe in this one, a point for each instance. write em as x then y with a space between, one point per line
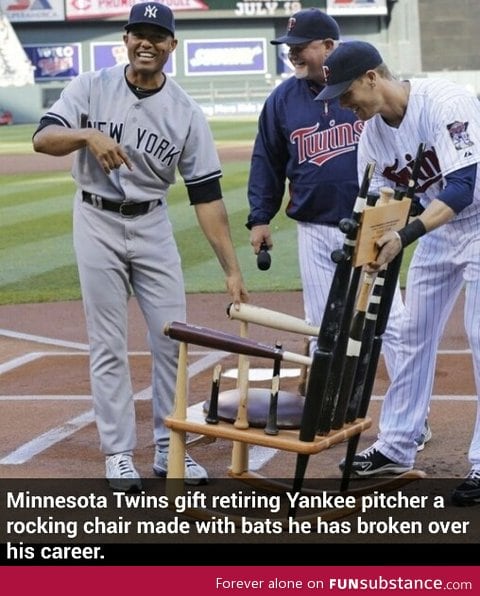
371 462
468 493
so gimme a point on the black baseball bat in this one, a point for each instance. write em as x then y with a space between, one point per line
333 316
271 427
354 345
378 309
387 282
212 415
335 374
386 278
393 269
380 314
357 335
329 329
339 370
360 400
365 359
336 299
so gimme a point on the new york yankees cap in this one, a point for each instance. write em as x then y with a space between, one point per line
307 25
151 13
349 61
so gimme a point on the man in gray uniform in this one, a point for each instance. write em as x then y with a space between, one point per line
131 128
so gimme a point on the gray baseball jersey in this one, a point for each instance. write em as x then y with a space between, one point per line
161 133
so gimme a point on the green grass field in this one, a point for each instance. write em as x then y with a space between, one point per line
37 263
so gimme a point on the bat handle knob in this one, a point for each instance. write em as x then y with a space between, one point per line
347 225
263 258
338 255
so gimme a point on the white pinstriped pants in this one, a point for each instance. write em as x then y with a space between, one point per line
315 245
445 261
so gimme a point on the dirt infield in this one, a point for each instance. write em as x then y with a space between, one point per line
45 404
46 407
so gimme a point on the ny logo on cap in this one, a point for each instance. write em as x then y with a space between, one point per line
326 73
150 11
291 23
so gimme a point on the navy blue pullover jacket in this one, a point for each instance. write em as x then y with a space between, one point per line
310 144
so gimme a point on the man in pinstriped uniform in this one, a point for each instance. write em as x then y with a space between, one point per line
399 115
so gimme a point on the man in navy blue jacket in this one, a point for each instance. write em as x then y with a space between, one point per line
312 147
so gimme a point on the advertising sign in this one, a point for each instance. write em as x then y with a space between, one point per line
54 61
284 66
90 9
104 54
119 9
20 11
356 7
225 56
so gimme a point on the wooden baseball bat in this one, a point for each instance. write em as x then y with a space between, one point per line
271 318
241 420
218 340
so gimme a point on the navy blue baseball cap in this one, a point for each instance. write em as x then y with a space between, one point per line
307 25
151 13
349 61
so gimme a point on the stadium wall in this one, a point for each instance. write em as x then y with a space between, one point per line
242 89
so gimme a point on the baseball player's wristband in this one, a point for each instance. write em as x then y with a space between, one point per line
411 232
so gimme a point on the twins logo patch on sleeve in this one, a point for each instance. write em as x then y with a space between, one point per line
460 137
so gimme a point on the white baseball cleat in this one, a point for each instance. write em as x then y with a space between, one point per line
195 474
424 437
121 473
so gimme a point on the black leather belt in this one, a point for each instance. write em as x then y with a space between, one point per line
126 208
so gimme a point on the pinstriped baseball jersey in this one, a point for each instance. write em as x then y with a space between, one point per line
446 118
443 115
155 132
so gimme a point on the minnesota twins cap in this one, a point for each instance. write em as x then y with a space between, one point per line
151 13
307 25
346 63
